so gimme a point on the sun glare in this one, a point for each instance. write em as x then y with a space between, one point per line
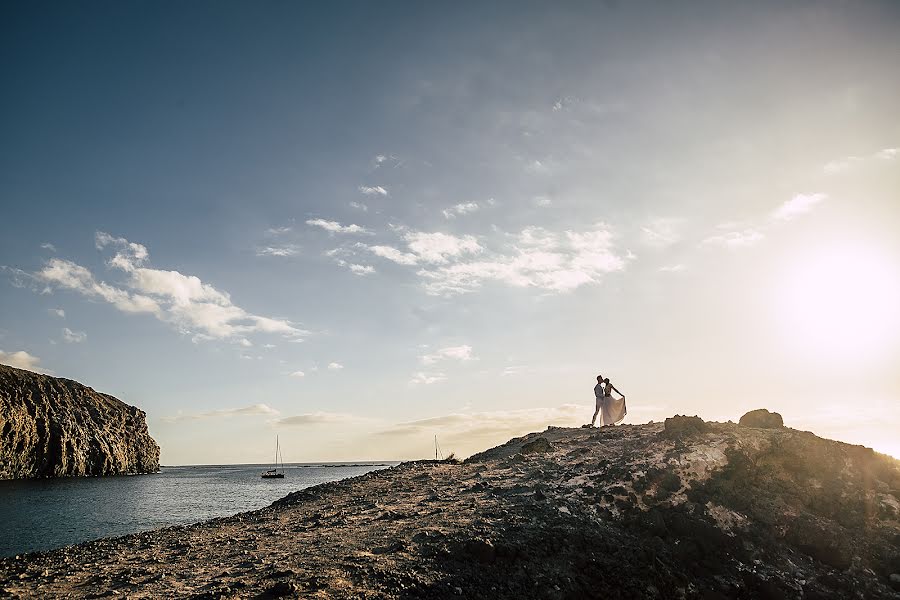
841 303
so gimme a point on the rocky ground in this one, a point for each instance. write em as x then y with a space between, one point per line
682 510
55 427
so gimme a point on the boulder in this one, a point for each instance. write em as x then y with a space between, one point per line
538 445
762 419
681 426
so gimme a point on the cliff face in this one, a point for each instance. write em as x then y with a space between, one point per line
53 427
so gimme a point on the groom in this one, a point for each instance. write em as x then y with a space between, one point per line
598 394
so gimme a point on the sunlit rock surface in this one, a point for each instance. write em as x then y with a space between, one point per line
705 511
54 427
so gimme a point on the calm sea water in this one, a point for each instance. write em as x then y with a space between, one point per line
50 513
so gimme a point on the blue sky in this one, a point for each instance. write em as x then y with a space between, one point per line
361 225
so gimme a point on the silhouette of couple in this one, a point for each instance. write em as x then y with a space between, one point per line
611 410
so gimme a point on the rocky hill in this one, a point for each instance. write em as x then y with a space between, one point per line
53 427
684 509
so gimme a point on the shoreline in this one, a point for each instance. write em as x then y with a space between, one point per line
656 511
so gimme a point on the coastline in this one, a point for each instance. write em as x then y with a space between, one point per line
634 510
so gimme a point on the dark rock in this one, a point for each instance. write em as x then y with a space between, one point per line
762 418
54 427
281 589
683 426
538 445
894 579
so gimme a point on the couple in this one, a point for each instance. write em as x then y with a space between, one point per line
611 410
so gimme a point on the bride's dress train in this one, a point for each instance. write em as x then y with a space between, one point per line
612 410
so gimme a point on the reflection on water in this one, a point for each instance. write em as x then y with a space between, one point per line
48 513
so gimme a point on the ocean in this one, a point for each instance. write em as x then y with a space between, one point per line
42 514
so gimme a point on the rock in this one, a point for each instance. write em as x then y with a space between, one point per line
895 581
538 445
54 427
282 589
762 419
682 426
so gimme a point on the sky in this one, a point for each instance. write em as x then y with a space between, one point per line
359 226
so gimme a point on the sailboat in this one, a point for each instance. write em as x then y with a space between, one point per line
273 473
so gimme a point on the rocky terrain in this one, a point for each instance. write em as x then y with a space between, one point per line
54 427
685 509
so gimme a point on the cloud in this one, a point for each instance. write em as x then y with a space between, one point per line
73 337
246 411
513 370
298 374
360 206
735 239
335 227
373 191
543 201
798 205
69 275
334 366
460 209
21 360
48 246
461 353
401 258
672 268
557 262
276 231
185 301
427 378
846 163
316 418
283 250
661 233
58 312
438 247
474 430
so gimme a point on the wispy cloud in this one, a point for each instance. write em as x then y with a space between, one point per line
335 227
421 378
461 353
735 239
678 268
662 232
22 360
798 205
390 253
376 190
335 366
535 257
48 246
246 411
185 301
298 374
281 250
846 163
460 209
359 205
316 418
73 337
276 231
356 269
57 312
557 262
461 428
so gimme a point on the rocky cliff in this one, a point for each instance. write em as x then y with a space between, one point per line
681 510
54 427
